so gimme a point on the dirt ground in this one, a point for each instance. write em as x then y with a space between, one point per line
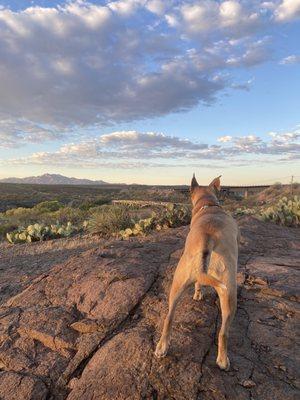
79 319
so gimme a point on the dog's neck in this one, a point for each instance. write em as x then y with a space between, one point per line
204 202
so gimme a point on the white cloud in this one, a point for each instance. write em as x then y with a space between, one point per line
157 6
248 144
82 64
268 5
242 86
255 53
172 20
124 7
225 139
149 141
290 60
287 10
285 137
20 132
233 18
132 149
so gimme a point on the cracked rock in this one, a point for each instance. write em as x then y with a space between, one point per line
87 326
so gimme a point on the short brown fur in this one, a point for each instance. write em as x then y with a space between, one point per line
209 258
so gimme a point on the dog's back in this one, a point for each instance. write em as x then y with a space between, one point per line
212 240
209 258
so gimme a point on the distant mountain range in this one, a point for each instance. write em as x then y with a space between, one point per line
53 179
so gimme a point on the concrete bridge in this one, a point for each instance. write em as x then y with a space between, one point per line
243 191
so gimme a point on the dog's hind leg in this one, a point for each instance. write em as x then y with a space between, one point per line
228 307
198 294
180 282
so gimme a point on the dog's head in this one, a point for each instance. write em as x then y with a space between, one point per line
205 194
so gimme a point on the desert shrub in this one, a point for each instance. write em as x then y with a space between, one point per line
6 227
175 215
58 214
20 216
66 214
284 212
107 220
18 212
48 206
277 186
91 203
171 216
24 216
39 232
275 192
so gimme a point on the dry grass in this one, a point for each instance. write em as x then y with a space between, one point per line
267 197
275 192
107 220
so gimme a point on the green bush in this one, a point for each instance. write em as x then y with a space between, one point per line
108 220
88 204
41 214
18 212
18 217
65 214
48 206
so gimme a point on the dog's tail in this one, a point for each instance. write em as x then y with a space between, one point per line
205 254
204 277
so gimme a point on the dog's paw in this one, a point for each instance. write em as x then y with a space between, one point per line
161 349
198 296
223 364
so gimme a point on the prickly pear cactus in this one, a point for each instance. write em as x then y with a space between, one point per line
244 211
285 212
38 232
172 215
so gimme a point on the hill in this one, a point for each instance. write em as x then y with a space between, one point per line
53 179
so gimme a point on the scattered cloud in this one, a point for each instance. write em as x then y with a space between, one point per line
18 132
232 18
151 141
285 137
132 149
290 60
247 143
225 139
255 53
242 86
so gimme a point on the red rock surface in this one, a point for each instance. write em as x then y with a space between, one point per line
86 328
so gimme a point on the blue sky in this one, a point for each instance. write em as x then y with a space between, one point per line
150 91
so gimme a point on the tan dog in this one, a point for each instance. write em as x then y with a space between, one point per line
209 258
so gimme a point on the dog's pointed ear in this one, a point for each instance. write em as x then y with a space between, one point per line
216 183
194 183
